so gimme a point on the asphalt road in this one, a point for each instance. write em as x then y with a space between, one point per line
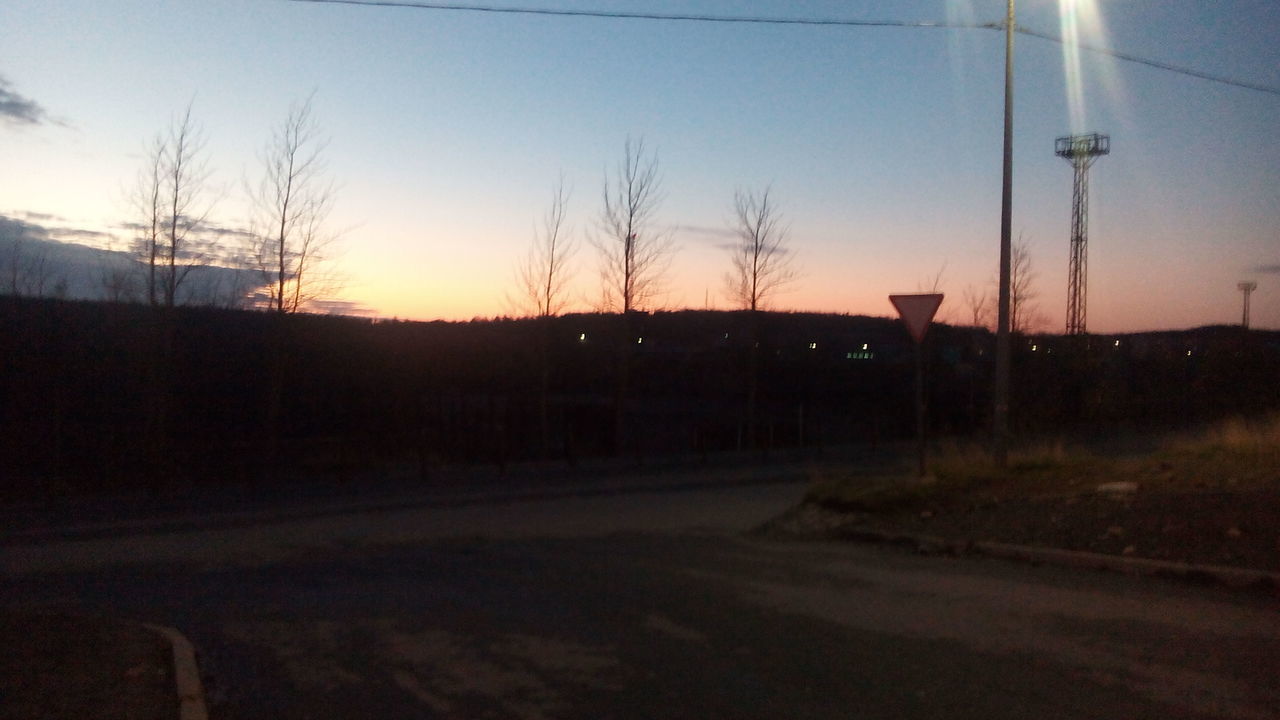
652 605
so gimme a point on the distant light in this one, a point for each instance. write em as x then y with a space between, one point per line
639 341
1034 348
1117 343
813 346
864 346
726 336
582 337
1188 353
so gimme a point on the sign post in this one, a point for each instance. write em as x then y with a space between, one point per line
917 312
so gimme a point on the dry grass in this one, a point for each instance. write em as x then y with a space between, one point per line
1259 437
1235 454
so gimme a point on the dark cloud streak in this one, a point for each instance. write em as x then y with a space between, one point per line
1268 269
20 110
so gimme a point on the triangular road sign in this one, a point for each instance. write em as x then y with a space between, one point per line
917 311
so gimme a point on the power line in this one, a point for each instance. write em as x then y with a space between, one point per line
677 17
1152 63
827 22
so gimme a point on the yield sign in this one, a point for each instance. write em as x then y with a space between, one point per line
917 311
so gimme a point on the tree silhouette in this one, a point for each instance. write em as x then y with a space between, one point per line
634 254
762 262
171 197
542 278
1024 312
292 204
761 265
634 258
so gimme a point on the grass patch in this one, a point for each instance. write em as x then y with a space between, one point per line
1048 463
874 494
1234 455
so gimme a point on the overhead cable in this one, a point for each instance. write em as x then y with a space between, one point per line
828 22
629 15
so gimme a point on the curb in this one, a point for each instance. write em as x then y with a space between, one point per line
186 675
1230 577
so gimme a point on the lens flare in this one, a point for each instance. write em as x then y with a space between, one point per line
960 44
1069 17
1080 22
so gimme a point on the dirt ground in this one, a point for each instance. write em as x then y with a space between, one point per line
1195 505
57 666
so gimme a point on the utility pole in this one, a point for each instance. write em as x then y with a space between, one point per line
1000 416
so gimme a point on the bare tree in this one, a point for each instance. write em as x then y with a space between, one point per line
762 263
933 283
183 189
117 275
543 275
542 279
30 273
147 203
1024 311
978 302
634 255
292 204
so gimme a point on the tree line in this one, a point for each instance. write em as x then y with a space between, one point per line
367 400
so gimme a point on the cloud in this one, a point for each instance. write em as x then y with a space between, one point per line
51 266
19 110
18 231
718 232
206 229
1268 269
721 238
27 225
341 307
81 234
221 231
38 217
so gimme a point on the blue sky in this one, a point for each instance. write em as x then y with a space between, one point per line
449 130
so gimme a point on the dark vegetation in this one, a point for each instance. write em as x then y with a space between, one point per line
82 384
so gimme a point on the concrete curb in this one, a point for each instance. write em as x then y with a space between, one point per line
186 674
1231 577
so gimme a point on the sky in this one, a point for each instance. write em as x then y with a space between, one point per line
448 132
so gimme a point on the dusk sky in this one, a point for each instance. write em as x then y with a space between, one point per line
449 130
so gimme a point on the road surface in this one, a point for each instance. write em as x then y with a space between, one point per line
652 605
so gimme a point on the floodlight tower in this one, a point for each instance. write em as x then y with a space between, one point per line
1247 288
1080 151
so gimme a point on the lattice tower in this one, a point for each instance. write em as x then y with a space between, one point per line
1081 151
